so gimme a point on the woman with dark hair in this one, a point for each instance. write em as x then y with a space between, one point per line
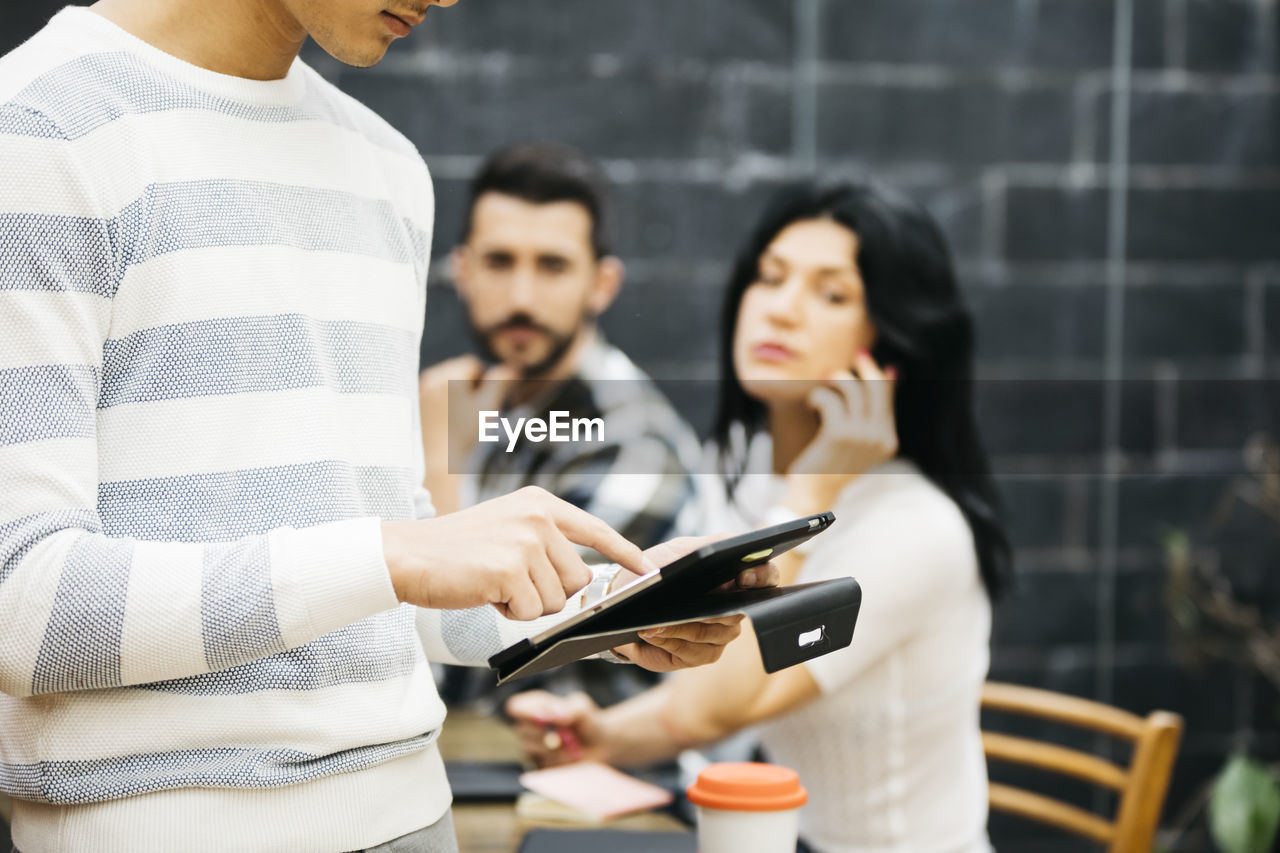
846 377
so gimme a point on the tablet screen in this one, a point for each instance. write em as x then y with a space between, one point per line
703 569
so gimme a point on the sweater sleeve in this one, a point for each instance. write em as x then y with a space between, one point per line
82 609
470 637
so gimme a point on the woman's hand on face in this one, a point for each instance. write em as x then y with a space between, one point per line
858 431
557 729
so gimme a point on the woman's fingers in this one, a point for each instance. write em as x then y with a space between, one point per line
832 407
878 385
709 632
681 646
853 388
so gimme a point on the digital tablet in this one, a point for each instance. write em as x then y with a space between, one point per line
682 590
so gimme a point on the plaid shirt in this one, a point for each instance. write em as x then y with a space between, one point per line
638 478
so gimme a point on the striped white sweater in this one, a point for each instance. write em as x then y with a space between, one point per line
211 297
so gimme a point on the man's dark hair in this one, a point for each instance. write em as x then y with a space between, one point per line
542 173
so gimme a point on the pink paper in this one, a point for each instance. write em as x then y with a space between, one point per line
596 789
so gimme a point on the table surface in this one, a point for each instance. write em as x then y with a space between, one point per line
494 827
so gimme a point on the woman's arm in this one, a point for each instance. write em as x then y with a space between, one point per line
692 708
733 694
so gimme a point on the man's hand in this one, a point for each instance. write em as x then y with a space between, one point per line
514 552
692 643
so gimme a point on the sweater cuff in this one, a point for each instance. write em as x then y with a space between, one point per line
333 574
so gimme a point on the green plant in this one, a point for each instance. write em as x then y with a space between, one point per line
1244 808
1210 623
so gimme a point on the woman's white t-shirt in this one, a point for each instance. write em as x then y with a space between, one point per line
891 752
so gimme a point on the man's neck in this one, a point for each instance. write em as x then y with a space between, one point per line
254 39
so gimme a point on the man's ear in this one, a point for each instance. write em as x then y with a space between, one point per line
460 269
609 274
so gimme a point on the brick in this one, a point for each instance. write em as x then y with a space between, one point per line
1043 324
1204 699
1184 322
1035 510
1060 34
634 112
1055 224
1065 673
445 330
1198 761
1235 540
1142 615
20 21
1138 417
758 30
1043 417
1204 224
767 122
665 321
1048 609
1271 320
1152 505
1150 26
1020 835
1230 36
966 124
959 211
683 221
1237 129
1266 708
1224 413
451 201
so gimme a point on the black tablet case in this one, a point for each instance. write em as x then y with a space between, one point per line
607 841
484 781
822 613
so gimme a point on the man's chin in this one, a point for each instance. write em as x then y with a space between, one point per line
357 56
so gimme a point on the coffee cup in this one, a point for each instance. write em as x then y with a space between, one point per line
747 807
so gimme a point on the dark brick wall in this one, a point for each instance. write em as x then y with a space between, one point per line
997 114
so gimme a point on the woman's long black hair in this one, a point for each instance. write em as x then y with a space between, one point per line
922 328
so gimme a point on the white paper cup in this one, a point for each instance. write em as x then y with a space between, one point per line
747 807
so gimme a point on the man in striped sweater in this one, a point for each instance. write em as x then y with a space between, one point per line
212 282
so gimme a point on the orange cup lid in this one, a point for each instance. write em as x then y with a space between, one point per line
748 786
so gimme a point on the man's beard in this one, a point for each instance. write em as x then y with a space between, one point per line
560 343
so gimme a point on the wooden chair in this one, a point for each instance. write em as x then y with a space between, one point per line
1141 785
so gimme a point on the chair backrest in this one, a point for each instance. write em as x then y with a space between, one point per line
1141 785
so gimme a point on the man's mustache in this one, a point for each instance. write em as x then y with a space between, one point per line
519 321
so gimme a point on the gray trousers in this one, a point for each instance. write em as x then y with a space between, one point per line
437 838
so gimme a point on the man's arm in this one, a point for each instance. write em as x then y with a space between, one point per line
81 609
470 637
